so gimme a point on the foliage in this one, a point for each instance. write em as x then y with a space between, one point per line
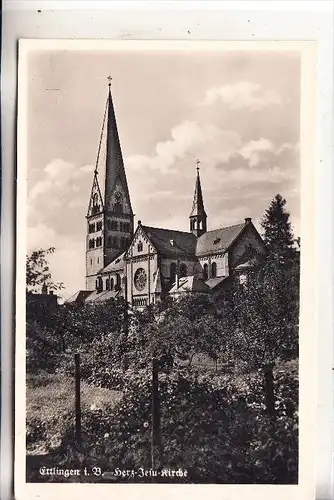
235 424
38 271
278 235
212 427
71 328
50 407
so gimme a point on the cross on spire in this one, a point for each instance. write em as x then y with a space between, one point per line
109 78
197 163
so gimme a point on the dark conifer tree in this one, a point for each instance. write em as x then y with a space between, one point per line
278 235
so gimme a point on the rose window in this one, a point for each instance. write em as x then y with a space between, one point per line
140 279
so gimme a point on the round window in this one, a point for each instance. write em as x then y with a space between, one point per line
140 279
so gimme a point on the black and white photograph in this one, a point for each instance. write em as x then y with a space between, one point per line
163 245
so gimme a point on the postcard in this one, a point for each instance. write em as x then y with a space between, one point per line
165 219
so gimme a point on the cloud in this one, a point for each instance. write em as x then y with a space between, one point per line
67 252
253 150
40 236
286 147
62 186
189 140
241 95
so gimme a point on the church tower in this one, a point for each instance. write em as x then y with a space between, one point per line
110 216
198 216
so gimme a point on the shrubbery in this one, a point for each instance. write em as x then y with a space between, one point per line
227 371
213 427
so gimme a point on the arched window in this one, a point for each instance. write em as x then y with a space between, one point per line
107 284
172 272
140 247
111 283
205 272
118 207
118 282
91 243
96 207
183 270
115 242
213 270
99 287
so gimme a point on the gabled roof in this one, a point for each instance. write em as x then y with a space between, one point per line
116 265
213 282
218 240
78 297
249 264
190 284
96 296
95 190
171 243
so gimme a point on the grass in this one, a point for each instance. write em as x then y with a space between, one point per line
51 398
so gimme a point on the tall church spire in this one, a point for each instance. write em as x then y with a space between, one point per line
198 215
115 173
110 215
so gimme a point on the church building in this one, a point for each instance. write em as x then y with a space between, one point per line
143 263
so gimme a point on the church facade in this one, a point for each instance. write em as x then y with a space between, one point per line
145 263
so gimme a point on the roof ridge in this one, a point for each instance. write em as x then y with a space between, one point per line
226 227
166 229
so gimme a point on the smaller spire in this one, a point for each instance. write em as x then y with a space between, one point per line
198 216
198 205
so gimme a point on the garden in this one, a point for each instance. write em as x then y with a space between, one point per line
206 385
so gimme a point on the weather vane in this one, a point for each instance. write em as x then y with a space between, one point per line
197 163
109 78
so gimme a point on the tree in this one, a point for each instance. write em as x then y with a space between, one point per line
278 235
38 271
264 312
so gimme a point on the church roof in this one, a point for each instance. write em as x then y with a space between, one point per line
78 297
218 240
170 243
190 284
116 265
103 296
249 264
213 282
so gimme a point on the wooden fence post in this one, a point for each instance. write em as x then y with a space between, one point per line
77 399
155 409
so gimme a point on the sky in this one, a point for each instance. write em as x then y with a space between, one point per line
237 112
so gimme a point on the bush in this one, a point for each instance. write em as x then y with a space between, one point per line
111 378
213 427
